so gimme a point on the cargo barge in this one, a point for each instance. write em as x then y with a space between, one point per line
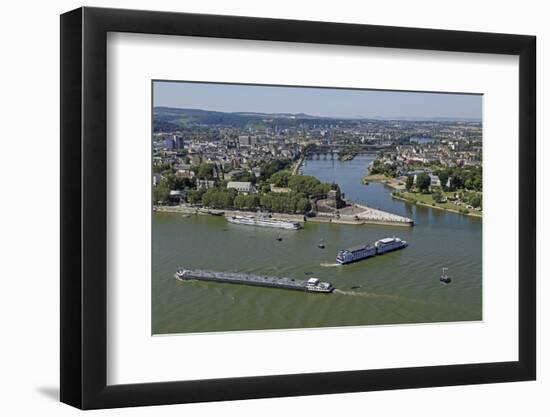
313 285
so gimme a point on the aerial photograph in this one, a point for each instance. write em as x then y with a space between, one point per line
289 207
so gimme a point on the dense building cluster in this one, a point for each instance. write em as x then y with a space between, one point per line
237 155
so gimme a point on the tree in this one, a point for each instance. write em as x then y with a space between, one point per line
280 179
246 202
303 205
437 196
205 171
219 198
252 201
443 178
161 191
159 169
308 185
239 202
274 166
195 196
321 190
244 176
283 203
266 201
379 167
475 201
409 183
456 182
477 183
423 182
263 187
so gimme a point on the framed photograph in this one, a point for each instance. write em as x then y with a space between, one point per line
257 208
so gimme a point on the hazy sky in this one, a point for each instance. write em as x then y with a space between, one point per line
315 101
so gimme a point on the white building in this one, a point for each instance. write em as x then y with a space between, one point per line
205 184
244 187
247 140
434 180
156 179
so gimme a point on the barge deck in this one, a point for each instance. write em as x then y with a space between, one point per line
311 285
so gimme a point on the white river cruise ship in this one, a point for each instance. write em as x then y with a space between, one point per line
379 247
263 221
388 244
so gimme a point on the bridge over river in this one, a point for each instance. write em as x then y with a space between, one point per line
333 151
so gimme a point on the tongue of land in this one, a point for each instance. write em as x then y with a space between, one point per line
360 214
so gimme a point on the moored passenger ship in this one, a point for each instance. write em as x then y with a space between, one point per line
264 221
379 247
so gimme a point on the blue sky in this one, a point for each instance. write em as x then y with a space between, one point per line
315 101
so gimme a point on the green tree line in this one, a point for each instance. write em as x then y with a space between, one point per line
222 198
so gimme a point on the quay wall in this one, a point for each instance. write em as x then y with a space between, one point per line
366 215
298 165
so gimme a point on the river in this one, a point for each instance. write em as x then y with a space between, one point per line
399 287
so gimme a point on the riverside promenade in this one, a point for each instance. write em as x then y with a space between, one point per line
353 214
298 165
359 214
374 215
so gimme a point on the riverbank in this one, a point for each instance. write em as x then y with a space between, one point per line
298 165
395 183
437 206
340 220
190 210
353 214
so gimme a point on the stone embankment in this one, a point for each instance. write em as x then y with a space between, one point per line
351 214
359 214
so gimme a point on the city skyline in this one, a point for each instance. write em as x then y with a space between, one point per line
321 102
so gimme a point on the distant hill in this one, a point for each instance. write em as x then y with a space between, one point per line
170 118
428 119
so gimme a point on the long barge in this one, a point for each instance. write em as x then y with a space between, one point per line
313 285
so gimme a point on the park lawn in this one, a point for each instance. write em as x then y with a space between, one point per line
394 183
375 177
428 200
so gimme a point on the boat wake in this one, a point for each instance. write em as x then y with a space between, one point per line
329 265
376 295
354 293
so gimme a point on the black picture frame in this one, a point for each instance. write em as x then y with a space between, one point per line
84 207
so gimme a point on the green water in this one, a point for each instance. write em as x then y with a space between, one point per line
398 287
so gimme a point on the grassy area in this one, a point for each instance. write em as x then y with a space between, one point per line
427 200
394 183
374 177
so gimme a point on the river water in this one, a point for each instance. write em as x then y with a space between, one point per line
398 287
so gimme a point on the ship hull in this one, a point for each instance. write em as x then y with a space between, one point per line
260 223
254 280
376 251
386 250
351 261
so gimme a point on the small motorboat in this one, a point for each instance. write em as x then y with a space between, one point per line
444 278
279 238
321 244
